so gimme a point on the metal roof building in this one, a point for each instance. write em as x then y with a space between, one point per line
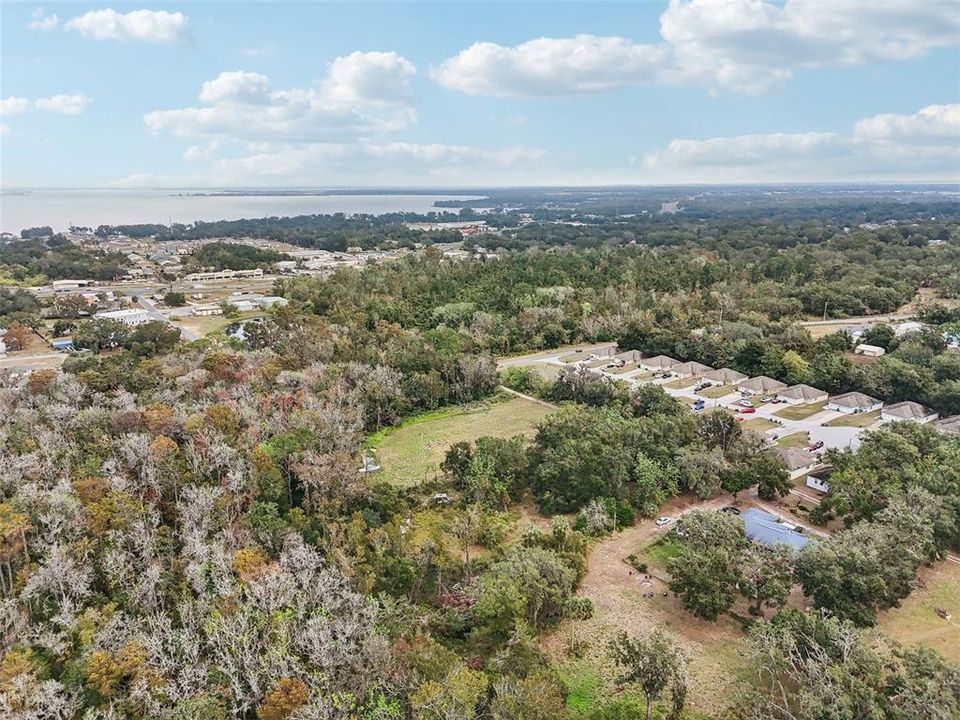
766 529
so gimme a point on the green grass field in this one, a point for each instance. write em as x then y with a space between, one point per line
800 412
413 451
859 420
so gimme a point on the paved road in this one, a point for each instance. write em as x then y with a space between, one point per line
186 333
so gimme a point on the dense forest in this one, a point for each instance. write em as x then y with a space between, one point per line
232 256
36 260
184 533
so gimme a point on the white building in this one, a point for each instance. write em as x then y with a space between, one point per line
907 328
869 350
797 461
130 316
909 410
852 403
207 310
224 275
70 284
818 479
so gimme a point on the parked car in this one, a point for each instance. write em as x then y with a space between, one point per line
745 403
816 446
747 411
766 398
664 521
739 418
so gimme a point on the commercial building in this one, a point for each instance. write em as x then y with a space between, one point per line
130 316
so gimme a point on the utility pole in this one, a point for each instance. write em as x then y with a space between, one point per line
825 310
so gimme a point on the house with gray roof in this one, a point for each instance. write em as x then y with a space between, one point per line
724 376
802 395
761 385
908 410
690 369
658 363
852 403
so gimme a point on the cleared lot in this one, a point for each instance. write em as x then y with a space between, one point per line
413 451
917 621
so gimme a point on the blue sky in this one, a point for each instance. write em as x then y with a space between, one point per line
467 94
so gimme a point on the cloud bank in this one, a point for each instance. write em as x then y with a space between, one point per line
742 45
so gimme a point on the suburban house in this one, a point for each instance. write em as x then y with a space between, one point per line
767 529
802 395
869 350
130 316
658 363
908 410
853 402
818 479
724 376
629 357
690 369
948 425
797 461
761 385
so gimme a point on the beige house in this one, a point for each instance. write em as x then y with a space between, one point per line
761 385
658 363
802 395
948 425
690 369
908 410
797 461
853 402
724 376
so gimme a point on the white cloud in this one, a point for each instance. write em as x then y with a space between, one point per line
362 94
63 104
201 152
15 106
924 145
744 45
933 123
548 66
43 22
139 25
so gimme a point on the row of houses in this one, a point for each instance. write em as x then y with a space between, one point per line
850 403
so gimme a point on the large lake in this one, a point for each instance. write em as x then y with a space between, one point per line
62 208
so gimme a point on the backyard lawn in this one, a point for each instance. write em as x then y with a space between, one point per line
413 451
858 420
800 412
916 620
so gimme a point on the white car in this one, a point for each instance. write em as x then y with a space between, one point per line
665 520
745 403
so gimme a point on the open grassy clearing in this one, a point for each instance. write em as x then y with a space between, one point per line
717 391
916 620
759 424
681 383
413 451
859 420
800 412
